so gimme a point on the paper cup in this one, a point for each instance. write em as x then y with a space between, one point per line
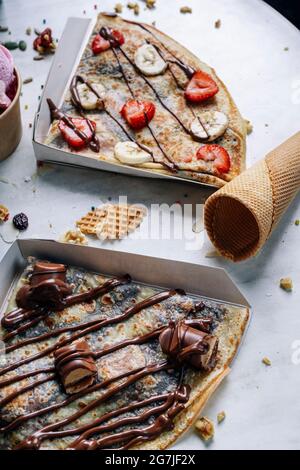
11 125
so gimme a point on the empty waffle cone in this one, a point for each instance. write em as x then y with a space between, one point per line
241 216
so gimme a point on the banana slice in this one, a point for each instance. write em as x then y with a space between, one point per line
131 154
148 60
89 100
209 126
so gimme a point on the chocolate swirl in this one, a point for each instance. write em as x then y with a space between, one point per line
187 342
46 290
76 366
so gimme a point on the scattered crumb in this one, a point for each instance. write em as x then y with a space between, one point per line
266 125
26 106
212 254
221 416
38 57
27 80
27 179
118 8
266 361
134 6
286 49
249 127
186 10
4 213
74 237
286 283
297 222
28 31
150 4
205 428
218 24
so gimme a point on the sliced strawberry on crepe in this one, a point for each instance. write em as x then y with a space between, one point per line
138 113
216 154
201 87
100 44
82 137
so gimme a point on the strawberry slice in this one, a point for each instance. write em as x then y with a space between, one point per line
138 113
201 87
100 44
217 154
71 137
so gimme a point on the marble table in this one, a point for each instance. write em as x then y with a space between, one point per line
256 53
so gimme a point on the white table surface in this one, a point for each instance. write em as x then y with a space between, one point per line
248 51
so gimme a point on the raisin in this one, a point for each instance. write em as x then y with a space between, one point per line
20 221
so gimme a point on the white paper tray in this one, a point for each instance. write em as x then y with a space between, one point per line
67 57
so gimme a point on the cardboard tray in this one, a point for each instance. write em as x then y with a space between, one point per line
67 57
212 283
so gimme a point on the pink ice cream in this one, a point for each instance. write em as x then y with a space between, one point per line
7 78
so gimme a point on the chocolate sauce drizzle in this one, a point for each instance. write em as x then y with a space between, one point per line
56 113
115 46
165 406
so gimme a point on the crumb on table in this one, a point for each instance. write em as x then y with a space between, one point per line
286 283
205 428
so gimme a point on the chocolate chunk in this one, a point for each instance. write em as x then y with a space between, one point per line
185 343
76 366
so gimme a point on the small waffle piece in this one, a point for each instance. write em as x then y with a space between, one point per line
4 213
112 221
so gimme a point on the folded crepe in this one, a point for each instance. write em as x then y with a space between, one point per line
241 216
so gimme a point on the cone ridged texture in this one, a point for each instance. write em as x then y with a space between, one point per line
240 217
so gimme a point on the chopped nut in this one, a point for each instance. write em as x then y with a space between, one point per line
118 8
131 5
266 361
286 283
74 237
297 222
136 9
150 4
186 10
4 213
218 24
221 416
205 428
249 126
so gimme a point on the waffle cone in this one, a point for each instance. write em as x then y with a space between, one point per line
241 216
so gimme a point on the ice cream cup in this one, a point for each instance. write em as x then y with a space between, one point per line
11 125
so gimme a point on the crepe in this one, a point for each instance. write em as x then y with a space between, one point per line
121 315
173 148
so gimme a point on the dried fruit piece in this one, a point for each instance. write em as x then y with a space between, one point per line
221 416
286 283
20 221
205 429
118 8
22 45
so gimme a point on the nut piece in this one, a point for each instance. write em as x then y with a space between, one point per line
74 237
218 24
286 283
266 361
249 127
186 10
4 213
118 8
205 429
221 416
150 4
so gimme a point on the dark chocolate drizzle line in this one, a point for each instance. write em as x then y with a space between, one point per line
18 315
56 113
105 33
109 321
34 441
77 102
